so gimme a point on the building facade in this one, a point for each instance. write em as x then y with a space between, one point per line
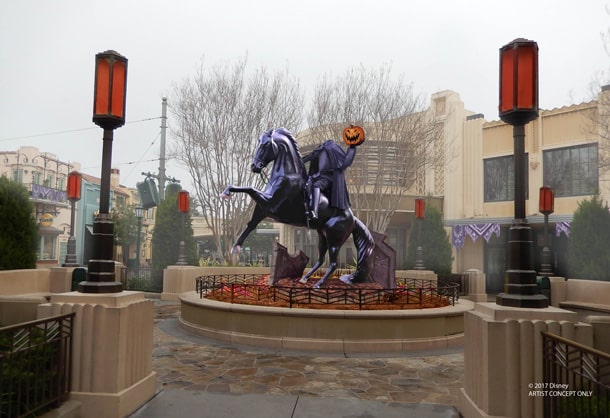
46 178
471 180
563 151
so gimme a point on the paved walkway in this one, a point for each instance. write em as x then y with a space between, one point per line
202 377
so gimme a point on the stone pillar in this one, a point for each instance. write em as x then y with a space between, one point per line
475 285
503 357
112 345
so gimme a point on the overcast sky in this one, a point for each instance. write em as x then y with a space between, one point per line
47 50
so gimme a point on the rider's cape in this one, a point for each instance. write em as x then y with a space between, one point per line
337 192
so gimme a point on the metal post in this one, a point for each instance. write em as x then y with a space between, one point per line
181 256
100 274
520 288
138 241
419 251
162 177
547 256
70 260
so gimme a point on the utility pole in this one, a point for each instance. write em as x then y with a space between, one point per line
162 177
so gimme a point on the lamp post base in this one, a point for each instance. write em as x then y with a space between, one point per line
100 272
522 301
520 287
70 260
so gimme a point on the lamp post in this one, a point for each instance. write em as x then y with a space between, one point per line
546 206
139 215
420 208
73 191
183 207
518 106
108 114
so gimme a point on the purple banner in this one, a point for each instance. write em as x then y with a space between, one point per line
474 231
46 193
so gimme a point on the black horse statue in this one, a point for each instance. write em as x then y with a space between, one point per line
283 200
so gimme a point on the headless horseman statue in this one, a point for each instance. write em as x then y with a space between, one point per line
327 175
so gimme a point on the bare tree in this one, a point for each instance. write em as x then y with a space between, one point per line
219 115
402 139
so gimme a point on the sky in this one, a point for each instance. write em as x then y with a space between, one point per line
47 58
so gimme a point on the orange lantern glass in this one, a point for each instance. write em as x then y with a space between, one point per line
420 207
546 201
74 185
110 90
183 201
518 82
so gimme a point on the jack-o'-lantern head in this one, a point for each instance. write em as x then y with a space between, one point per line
353 135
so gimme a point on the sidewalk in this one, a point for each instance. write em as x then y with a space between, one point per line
206 378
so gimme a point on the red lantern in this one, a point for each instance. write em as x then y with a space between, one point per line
420 207
546 201
74 185
110 88
519 82
183 201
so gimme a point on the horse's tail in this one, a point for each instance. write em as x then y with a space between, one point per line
364 245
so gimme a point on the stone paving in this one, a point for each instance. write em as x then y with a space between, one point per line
190 362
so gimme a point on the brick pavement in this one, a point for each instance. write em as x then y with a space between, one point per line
189 362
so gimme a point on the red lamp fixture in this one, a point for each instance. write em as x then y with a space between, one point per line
546 201
110 90
183 201
74 185
518 82
420 207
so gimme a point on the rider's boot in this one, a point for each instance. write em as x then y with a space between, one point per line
313 206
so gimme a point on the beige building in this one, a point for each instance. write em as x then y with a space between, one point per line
562 152
472 179
46 178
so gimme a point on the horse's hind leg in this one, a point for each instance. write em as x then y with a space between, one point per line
333 253
322 248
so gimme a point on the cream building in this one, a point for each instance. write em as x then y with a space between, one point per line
46 178
471 181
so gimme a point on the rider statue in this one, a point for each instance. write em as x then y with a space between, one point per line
327 175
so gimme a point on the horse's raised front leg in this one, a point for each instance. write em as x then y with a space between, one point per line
258 215
333 253
322 248
256 195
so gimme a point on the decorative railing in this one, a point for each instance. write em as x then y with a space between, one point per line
35 366
576 379
250 288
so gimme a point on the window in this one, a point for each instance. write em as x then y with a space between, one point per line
36 177
499 178
18 176
571 171
46 247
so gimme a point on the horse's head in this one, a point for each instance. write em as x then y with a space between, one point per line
265 152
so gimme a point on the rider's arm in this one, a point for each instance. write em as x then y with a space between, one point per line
349 157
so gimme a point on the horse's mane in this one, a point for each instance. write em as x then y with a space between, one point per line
283 132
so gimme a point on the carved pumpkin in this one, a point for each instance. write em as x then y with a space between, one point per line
353 135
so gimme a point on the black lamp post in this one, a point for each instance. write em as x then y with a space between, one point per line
546 206
420 208
183 207
518 106
73 191
139 215
108 114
